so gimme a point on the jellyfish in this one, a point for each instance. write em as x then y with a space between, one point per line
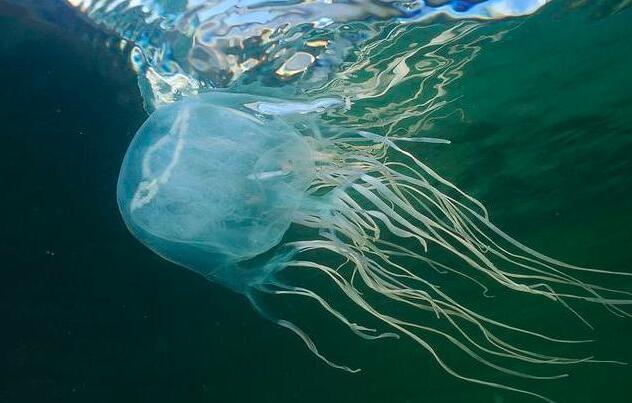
251 192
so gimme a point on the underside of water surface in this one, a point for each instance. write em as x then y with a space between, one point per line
180 48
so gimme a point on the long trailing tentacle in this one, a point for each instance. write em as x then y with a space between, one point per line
372 203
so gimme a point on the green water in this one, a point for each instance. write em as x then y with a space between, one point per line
541 129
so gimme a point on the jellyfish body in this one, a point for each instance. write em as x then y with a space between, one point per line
214 183
207 186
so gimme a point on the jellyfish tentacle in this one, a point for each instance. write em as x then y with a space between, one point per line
359 330
452 212
352 293
370 198
511 257
448 313
392 291
375 249
465 311
309 343
312 347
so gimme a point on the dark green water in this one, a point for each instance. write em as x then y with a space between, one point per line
542 133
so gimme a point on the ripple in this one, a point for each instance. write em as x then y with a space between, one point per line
186 47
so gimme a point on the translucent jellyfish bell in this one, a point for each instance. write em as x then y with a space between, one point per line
214 182
205 185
